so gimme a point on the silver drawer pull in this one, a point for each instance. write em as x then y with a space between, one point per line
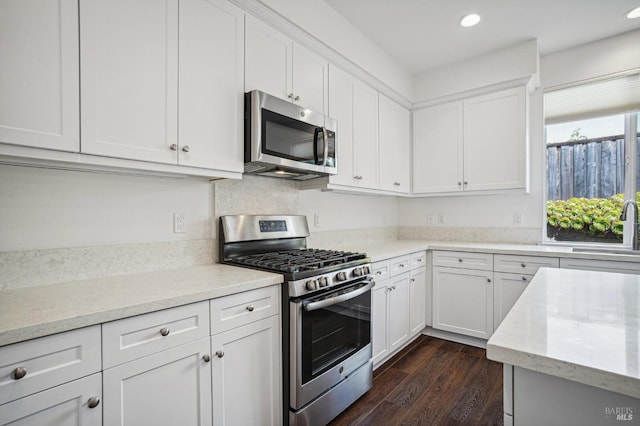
419 259
93 402
220 353
206 358
165 331
250 308
378 272
19 373
402 265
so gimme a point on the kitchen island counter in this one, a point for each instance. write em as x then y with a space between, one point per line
39 311
581 326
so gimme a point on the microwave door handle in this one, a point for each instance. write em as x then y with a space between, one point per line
325 152
315 145
338 299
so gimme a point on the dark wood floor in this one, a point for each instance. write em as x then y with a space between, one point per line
431 382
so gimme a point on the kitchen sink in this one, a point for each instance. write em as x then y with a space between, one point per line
606 250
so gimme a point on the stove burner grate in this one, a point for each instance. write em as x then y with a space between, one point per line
294 261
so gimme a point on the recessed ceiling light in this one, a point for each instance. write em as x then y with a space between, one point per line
635 13
469 20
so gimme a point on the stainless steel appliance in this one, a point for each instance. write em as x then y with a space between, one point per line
285 140
326 312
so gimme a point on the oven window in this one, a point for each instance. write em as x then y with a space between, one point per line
288 138
332 334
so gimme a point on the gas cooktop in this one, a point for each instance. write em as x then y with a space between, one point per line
300 260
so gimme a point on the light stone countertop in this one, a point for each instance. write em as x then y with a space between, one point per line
577 325
388 249
39 311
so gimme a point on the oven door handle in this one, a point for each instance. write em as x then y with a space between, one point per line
338 299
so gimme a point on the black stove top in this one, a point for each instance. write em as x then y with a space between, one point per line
299 260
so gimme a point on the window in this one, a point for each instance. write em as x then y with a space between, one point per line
593 160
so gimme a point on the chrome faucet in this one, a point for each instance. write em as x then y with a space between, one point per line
635 245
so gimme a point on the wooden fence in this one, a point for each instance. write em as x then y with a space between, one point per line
590 168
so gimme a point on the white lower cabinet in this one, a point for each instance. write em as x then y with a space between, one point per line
247 374
601 265
507 289
398 303
77 403
463 301
172 387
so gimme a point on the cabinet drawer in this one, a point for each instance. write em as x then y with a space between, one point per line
601 265
418 260
398 265
523 264
48 362
243 308
466 260
132 338
380 270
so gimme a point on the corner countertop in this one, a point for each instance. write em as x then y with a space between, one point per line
578 325
33 312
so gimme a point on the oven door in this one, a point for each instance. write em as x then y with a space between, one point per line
330 338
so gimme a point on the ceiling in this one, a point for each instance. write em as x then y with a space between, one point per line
424 34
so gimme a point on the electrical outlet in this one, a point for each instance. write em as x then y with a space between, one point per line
517 218
178 223
316 220
429 218
440 218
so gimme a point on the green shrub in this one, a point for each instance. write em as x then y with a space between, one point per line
594 217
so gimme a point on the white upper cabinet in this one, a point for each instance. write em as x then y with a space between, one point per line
437 149
152 67
341 108
281 67
39 89
495 140
210 96
394 146
129 81
476 144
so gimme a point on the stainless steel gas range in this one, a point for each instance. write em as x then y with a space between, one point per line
326 312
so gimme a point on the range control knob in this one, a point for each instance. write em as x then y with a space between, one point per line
366 270
311 285
322 281
341 276
357 272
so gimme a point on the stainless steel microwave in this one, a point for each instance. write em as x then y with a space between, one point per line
285 140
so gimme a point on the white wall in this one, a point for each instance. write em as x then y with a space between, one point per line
511 63
41 208
321 21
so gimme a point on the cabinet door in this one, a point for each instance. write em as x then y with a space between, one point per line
398 311
64 405
247 378
379 322
341 108
39 101
437 149
365 135
171 387
506 291
495 141
394 146
417 300
129 81
211 85
310 79
463 301
268 59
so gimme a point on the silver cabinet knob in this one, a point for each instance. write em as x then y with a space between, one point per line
165 331
524 265
419 259
396 183
297 98
186 148
460 260
93 402
402 265
206 358
413 280
19 373
459 183
488 280
290 96
465 182
524 278
220 353
250 308
173 147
